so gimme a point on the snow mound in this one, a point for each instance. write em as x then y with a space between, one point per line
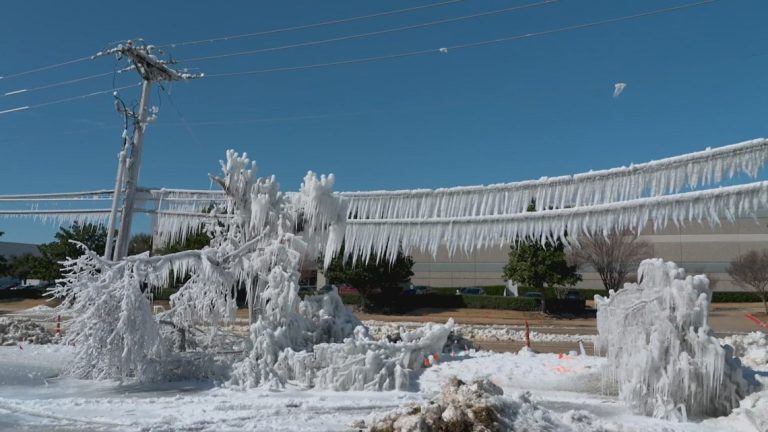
476 406
481 406
39 310
16 329
751 348
661 354
751 415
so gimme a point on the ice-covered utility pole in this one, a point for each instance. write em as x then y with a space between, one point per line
151 69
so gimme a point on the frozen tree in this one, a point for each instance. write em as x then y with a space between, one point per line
113 329
254 245
611 255
662 357
751 270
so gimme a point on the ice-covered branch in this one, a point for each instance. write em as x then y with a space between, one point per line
60 216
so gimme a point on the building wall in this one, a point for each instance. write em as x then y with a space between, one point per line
695 247
10 249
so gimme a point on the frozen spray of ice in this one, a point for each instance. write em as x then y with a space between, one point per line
662 356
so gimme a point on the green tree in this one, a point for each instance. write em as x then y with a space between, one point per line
371 276
193 241
91 235
24 266
540 265
140 243
3 262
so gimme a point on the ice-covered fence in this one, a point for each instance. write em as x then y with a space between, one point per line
662 356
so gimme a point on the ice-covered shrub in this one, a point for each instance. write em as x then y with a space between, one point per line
112 327
662 356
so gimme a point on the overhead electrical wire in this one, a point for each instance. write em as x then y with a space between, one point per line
69 99
308 26
369 34
343 20
446 49
283 47
45 68
62 83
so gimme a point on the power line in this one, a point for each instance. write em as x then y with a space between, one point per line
308 26
69 99
466 45
62 83
374 33
45 68
302 44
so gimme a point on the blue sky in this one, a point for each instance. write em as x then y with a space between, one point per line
512 111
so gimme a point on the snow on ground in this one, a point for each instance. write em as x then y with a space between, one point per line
33 397
752 348
477 332
39 310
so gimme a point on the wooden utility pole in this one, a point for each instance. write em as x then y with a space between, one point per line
151 69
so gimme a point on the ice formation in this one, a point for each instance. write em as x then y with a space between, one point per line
662 356
475 216
656 178
15 330
255 246
384 236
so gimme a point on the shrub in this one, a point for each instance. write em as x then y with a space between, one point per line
350 299
498 302
443 301
735 297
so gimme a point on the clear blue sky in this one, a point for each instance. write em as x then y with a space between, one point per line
512 111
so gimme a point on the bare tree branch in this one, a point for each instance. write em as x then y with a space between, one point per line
751 270
612 256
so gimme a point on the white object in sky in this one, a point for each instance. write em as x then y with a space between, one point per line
618 88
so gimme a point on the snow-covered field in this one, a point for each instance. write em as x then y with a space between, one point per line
34 397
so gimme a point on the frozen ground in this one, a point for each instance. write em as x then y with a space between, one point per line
33 397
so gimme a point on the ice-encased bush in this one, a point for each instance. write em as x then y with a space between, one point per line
662 356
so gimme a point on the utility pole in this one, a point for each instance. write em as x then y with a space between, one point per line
151 69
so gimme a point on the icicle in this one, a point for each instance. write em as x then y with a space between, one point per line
468 233
654 178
